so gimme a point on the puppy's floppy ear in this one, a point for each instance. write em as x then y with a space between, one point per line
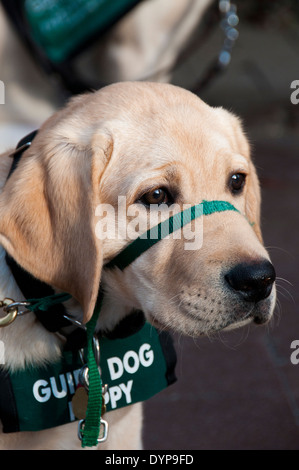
47 211
253 201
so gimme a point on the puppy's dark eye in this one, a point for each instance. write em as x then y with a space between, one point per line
156 196
237 182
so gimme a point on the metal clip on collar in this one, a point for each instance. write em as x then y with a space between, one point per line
11 308
103 432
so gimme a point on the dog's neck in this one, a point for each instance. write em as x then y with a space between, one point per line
27 341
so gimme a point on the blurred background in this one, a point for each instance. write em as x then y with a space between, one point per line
238 390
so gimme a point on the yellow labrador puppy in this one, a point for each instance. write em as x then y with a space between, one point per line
153 144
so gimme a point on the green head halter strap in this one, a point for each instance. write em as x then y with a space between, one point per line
141 244
160 231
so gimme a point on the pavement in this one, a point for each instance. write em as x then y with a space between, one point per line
240 390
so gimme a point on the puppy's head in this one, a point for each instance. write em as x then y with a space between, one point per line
157 147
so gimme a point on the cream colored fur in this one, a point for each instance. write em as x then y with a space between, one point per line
124 140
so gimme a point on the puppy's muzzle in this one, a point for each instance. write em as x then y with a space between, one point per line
253 282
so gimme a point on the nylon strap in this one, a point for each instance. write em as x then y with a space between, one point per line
175 222
91 430
45 302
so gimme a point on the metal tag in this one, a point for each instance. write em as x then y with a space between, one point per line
79 403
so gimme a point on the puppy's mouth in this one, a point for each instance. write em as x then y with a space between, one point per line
200 322
246 294
257 315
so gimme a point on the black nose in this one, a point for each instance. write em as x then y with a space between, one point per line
253 281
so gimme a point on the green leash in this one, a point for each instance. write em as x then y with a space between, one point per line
91 430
